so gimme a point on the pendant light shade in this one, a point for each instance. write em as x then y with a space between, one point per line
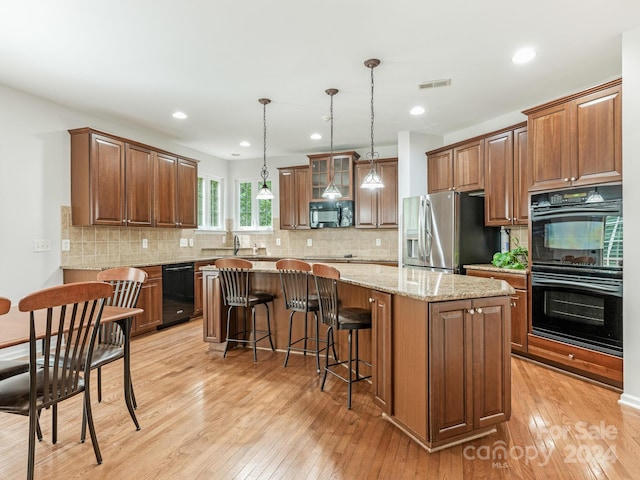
264 193
372 179
332 192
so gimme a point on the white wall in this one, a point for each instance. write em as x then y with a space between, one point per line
35 183
631 198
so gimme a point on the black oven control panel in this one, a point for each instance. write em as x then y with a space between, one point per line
568 197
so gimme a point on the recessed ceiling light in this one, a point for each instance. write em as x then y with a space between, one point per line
179 115
234 154
244 143
524 55
417 110
315 136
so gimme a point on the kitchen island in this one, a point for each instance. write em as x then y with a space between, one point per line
439 345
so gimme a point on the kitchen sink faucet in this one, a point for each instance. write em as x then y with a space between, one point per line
236 245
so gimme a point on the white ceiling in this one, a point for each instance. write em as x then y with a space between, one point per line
137 61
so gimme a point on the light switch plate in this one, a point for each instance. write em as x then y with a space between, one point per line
145 243
309 242
184 242
65 245
277 242
41 245
378 242
191 242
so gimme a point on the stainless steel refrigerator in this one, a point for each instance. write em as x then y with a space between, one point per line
444 231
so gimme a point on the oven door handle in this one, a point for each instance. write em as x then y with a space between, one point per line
613 289
576 212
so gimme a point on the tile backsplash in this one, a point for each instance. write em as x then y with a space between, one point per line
109 246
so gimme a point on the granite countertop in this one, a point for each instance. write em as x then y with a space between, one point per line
212 259
411 282
492 268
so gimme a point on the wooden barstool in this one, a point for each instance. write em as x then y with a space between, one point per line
235 280
336 318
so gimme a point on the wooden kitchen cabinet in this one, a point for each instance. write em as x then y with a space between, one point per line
459 167
469 368
377 208
295 192
214 311
381 337
577 140
519 304
506 178
114 181
150 300
177 178
322 170
111 181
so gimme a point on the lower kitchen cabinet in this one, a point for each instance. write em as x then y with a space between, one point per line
381 350
198 287
150 300
519 304
469 366
214 311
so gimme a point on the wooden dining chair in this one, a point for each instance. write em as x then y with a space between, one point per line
9 368
69 314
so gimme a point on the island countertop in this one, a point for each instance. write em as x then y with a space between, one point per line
416 283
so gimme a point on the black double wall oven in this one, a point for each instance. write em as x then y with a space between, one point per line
576 273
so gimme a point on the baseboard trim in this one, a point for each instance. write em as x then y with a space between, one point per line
629 401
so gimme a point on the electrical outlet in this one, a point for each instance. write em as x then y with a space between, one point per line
378 242
183 242
41 245
224 239
191 242
309 242
145 243
277 242
66 245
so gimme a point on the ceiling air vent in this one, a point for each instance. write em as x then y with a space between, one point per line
444 82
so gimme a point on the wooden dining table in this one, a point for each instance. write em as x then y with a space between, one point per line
15 325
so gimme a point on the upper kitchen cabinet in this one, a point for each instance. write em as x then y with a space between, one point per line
377 208
323 170
295 191
459 167
506 177
115 181
111 180
577 140
177 178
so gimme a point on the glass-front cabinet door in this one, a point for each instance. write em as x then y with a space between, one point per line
340 170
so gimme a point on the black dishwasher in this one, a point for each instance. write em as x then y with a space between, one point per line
177 293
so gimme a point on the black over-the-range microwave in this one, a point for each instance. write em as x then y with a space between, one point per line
332 214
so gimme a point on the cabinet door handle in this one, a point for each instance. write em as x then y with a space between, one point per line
471 311
566 179
571 356
573 179
371 300
479 310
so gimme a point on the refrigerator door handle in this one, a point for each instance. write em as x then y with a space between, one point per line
427 230
421 230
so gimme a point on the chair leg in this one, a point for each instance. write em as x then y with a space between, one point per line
255 336
306 334
38 429
349 373
133 395
54 424
92 429
266 305
318 342
286 358
33 427
226 345
326 363
99 384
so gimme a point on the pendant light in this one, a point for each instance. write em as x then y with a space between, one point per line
332 192
264 193
372 179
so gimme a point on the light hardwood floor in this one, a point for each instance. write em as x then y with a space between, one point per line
205 417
